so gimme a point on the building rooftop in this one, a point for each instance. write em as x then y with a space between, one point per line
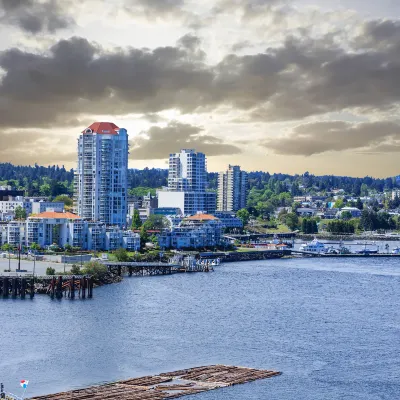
202 217
107 128
57 215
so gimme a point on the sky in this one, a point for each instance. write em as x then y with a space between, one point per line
275 85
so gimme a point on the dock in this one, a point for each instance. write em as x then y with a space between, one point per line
169 385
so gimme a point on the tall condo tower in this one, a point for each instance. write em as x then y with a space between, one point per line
187 171
101 174
187 183
232 187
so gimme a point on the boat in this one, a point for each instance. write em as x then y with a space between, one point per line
331 250
344 250
396 250
367 251
314 246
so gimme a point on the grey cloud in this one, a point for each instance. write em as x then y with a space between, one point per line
157 142
27 147
300 78
34 17
78 78
159 10
320 137
378 34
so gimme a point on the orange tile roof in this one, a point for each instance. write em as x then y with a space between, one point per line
107 128
202 217
57 215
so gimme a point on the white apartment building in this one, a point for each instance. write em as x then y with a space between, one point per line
232 188
8 207
65 228
197 231
101 174
187 171
187 182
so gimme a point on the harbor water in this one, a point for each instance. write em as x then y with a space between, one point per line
332 326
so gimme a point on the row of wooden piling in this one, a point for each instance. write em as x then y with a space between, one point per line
168 385
17 287
60 287
56 287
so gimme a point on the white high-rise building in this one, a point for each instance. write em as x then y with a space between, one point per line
187 183
187 171
101 174
232 187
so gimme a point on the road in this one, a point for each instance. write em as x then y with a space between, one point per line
40 267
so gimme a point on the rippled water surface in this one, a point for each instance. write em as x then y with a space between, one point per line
331 326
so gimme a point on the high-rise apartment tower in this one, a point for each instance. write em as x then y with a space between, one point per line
232 187
101 174
187 183
187 171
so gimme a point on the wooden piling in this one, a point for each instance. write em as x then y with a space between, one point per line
53 287
83 287
90 287
23 288
72 283
59 288
6 287
32 291
14 287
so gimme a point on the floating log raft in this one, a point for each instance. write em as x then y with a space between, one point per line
170 385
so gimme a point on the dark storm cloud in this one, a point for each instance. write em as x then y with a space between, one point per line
300 78
78 78
320 137
34 17
158 142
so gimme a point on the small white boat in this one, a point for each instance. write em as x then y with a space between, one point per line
314 246
396 250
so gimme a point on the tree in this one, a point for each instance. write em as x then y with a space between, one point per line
45 189
95 269
136 221
35 247
121 255
20 212
63 198
68 248
292 221
244 215
6 247
346 215
144 237
339 203
75 269
50 271
155 222
359 204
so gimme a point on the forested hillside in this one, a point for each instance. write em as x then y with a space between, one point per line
54 180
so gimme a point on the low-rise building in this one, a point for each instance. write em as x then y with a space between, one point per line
229 219
355 212
65 228
197 231
306 212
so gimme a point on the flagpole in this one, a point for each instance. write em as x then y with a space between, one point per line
23 393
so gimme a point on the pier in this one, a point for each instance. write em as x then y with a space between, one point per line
153 268
170 385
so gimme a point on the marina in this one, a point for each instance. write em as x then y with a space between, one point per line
169 385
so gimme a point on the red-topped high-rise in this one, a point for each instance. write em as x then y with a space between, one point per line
101 174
